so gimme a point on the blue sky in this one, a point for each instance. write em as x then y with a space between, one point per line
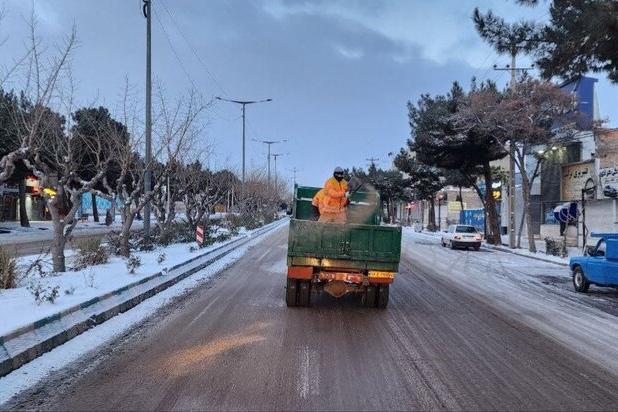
339 72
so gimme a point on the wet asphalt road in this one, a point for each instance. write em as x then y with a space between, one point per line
234 345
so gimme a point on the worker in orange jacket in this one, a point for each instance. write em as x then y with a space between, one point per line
335 199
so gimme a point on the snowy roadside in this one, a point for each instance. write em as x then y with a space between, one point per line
521 252
76 287
526 253
11 233
50 362
536 293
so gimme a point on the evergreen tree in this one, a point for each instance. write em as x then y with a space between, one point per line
424 181
582 36
441 138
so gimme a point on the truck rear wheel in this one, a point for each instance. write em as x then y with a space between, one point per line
304 293
291 292
369 297
382 298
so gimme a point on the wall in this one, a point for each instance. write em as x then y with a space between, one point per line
601 216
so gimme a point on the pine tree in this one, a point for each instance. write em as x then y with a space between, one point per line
582 36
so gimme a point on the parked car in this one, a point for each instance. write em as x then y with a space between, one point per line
599 265
463 236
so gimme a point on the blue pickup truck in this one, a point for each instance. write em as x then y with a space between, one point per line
599 266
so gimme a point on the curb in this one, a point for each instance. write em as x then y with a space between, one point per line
31 341
507 250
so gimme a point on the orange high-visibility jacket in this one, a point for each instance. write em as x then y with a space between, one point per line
334 196
318 198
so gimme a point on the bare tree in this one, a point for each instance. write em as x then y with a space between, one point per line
204 190
176 129
44 148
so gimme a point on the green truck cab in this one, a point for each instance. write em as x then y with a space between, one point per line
360 256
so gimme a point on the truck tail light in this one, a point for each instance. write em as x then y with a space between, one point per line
375 274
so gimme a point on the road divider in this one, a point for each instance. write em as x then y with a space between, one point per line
31 341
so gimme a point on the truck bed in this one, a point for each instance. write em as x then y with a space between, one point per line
356 246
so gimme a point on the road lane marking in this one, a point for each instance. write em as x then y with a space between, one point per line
263 254
202 313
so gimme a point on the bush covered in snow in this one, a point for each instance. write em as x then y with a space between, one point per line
176 232
90 252
556 247
133 262
43 293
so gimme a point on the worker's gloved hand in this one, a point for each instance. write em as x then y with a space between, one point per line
347 195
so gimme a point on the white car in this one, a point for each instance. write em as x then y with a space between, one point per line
462 236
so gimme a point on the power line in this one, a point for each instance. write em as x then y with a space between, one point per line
193 50
169 41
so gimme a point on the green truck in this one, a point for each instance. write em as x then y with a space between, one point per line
361 256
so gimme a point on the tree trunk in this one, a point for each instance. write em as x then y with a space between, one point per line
461 203
493 228
57 246
431 218
113 209
95 210
521 228
525 188
125 234
23 212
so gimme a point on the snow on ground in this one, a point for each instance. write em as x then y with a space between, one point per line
523 252
540 246
12 233
537 293
539 254
19 307
33 372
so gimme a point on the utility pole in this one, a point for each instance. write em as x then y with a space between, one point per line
147 10
275 156
294 170
243 103
511 189
270 143
373 160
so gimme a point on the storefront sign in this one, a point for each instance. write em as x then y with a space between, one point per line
608 180
455 206
575 177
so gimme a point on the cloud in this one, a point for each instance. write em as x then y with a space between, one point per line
349 53
441 29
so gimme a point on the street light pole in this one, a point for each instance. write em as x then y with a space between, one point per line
146 8
275 156
269 143
243 103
